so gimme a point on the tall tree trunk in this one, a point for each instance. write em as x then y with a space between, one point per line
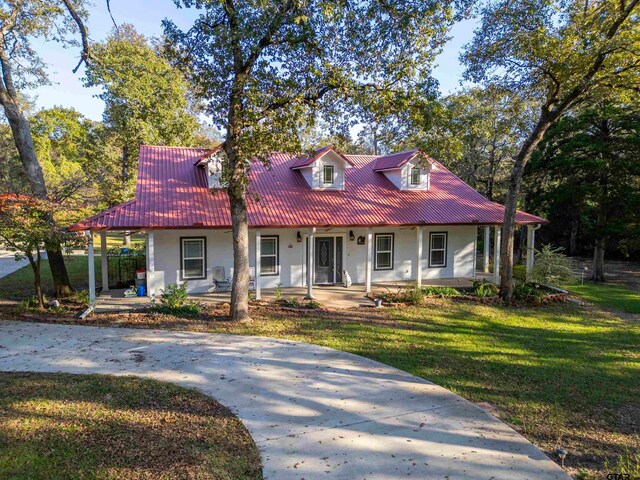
573 237
237 192
511 204
24 143
37 280
241 275
598 261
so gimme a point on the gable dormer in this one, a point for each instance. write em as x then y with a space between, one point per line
406 170
213 162
324 169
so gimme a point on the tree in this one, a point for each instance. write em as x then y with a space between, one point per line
477 134
20 22
589 171
146 102
560 52
266 69
25 228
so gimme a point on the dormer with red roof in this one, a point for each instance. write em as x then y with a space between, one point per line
324 169
410 170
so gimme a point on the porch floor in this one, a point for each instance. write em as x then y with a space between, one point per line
331 296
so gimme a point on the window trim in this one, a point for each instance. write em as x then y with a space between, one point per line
324 174
411 170
445 250
277 255
204 258
375 250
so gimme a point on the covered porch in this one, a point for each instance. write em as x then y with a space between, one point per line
416 265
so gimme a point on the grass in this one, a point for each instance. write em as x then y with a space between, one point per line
562 374
19 284
607 295
55 427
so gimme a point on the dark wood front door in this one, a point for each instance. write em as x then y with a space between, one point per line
325 260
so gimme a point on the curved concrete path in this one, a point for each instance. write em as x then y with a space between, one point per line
314 412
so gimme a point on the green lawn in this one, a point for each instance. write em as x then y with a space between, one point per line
607 295
55 427
562 374
19 284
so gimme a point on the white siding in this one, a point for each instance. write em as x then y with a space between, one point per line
460 255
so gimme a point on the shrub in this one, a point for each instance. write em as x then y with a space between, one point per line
527 292
440 291
293 302
415 296
189 310
313 304
174 296
277 293
552 268
520 273
483 289
174 301
82 297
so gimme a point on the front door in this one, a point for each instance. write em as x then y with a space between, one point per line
324 260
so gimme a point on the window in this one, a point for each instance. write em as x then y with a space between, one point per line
415 176
328 174
193 258
384 251
269 255
438 249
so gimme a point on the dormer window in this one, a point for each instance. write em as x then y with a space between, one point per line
328 174
409 170
324 169
415 176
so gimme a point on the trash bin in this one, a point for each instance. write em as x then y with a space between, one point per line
141 274
142 291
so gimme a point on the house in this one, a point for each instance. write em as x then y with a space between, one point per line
385 218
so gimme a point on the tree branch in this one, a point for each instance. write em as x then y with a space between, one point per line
84 34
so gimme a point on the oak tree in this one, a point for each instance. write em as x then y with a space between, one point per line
560 52
265 69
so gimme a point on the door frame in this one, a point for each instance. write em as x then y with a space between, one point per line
305 240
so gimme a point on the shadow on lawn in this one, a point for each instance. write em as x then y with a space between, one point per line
61 425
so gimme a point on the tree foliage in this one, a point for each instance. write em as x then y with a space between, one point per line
559 52
147 101
586 178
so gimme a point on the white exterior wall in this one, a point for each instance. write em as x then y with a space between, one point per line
460 255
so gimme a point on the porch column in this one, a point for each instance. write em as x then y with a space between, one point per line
496 254
531 246
419 256
487 249
257 262
151 265
92 268
310 255
104 264
367 281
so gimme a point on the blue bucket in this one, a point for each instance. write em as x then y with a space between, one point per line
142 291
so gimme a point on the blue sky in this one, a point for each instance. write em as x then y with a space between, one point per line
67 90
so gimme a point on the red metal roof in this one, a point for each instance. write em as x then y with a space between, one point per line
173 193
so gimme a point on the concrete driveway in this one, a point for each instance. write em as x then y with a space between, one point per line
314 412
